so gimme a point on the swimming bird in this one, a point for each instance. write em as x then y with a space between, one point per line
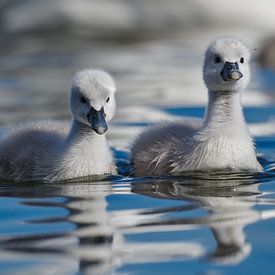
55 151
221 140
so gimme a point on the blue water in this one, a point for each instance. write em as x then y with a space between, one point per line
252 114
193 224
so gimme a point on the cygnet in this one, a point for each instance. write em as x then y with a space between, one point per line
221 141
55 151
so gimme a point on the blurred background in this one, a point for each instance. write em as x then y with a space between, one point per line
154 50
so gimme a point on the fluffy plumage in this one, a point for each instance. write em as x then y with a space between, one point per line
54 150
221 141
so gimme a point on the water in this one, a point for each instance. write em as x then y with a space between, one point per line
195 224
219 225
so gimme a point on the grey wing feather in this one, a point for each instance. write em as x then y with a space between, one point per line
155 149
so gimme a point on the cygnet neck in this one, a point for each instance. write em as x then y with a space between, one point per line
82 131
224 109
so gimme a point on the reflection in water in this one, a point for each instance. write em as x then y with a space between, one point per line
89 236
229 203
86 245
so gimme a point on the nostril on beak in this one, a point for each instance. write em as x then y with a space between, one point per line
231 71
97 120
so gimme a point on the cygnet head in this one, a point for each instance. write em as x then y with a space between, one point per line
92 100
226 65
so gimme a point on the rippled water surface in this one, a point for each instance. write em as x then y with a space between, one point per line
219 225
195 224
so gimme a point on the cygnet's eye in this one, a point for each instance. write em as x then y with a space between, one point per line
242 60
83 99
217 59
108 99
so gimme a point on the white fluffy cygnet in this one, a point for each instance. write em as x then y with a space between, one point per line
51 151
221 141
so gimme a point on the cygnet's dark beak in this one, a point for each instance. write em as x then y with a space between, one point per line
97 120
231 71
